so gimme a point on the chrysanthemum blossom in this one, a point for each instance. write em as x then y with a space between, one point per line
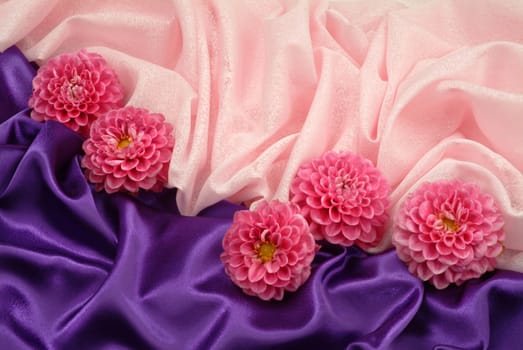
75 89
344 197
448 232
269 250
128 149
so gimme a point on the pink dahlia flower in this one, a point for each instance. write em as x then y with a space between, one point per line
344 198
269 250
128 149
448 232
75 89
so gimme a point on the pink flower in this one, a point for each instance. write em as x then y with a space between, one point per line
344 197
269 250
75 89
448 232
128 149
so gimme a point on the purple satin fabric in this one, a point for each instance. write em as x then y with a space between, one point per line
87 270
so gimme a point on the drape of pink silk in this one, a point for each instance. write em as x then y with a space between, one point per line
255 88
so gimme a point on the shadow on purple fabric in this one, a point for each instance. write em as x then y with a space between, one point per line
87 270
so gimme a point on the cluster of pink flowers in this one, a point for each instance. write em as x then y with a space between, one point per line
445 232
340 197
127 149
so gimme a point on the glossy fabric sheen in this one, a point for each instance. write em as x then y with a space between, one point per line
87 270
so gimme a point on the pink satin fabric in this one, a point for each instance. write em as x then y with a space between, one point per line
255 88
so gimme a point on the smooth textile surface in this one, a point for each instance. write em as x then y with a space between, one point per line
256 88
87 270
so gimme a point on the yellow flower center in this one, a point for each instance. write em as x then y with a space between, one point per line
266 251
449 224
125 141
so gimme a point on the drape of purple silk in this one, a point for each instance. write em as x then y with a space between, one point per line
87 270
